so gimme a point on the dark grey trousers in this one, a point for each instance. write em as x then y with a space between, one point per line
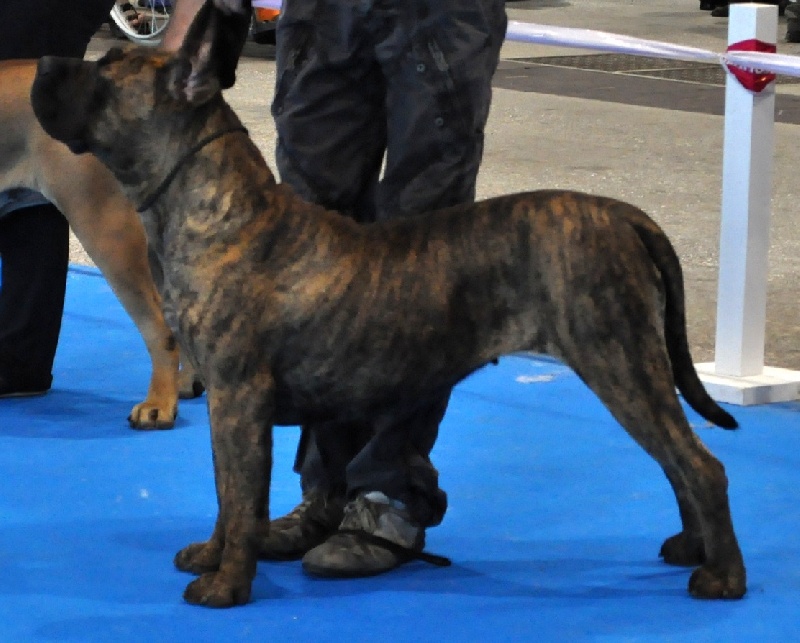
380 108
34 242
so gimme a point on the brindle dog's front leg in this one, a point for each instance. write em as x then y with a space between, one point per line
241 436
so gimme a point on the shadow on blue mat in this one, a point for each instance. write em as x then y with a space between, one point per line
554 525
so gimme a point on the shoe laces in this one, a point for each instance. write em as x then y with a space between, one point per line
383 517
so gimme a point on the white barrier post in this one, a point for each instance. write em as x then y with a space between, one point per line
738 374
746 206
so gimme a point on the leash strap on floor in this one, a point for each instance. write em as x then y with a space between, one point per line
404 553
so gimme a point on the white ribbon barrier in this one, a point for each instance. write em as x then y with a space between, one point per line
613 43
738 374
602 41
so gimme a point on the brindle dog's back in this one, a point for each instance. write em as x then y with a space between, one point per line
464 281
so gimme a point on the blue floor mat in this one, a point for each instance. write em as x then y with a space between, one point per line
554 525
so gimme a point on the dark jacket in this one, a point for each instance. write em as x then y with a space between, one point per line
36 28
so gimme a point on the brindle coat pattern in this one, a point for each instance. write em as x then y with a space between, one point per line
103 220
293 313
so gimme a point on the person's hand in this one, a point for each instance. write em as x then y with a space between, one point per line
229 6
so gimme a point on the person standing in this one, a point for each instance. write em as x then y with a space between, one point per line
721 8
793 22
34 235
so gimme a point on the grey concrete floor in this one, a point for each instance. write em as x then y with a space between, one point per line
596 132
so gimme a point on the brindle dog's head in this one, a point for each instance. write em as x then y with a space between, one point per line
107 107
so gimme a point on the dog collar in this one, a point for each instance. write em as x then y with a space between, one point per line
149 201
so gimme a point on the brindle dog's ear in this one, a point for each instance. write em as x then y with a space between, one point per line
206 62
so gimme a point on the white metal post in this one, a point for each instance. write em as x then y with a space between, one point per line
746 206
738 374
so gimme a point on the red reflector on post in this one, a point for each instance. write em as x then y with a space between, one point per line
753 80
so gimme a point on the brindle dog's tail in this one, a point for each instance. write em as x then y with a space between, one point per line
666 261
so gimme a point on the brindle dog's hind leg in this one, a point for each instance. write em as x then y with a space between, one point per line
685 548
640 393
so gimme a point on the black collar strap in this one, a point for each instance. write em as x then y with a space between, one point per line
148 202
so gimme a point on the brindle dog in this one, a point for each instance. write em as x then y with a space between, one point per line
297 314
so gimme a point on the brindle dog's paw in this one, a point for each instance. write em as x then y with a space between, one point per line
190 385
198 558
714 582
683 550
217 589
150 416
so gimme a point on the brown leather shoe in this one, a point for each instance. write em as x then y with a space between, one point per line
376 535
309 524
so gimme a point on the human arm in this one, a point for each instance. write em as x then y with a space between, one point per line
184 12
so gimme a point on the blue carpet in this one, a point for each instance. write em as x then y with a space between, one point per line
554 526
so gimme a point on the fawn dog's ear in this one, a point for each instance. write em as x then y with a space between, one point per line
206 62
